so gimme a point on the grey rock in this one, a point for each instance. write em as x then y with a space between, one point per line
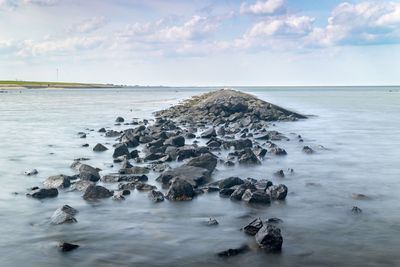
65 214
31 172
177 141
196 176
256 197
209 133
229 182
253 227
57 181
277 192
44 193
121 150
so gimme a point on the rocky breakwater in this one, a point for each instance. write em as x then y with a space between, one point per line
183 146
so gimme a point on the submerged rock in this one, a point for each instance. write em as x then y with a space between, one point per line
66 247
269 237
156 196
31 172
65 214
233 251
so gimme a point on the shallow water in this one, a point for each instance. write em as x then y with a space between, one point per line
358 127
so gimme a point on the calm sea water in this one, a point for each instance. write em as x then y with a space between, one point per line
359 129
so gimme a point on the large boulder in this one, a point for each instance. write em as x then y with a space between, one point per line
57 181
229 182
65 214
269 237
94 192
248 157
180 190
89 173
206 161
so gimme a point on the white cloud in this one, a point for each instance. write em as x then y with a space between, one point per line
283 26
60 46
268 7
8 4
89 25
368 22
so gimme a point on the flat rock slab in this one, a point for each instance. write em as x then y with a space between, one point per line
196 176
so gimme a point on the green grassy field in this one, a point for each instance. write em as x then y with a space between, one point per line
34 84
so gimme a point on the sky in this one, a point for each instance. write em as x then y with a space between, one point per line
202 42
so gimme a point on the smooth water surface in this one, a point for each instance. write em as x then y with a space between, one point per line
355 132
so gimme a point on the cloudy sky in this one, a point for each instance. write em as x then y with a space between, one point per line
202 42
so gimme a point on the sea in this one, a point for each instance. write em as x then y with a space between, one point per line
354 131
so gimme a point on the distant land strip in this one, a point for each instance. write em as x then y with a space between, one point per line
33 85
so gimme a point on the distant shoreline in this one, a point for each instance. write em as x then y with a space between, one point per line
57 85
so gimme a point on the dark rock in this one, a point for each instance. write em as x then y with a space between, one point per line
269 237
119 119
99 148
256 197
229 163
238 144
31 172
278 151
126 192
249 158
253 227
87 172
180 190
356 210
359 196
233 251
277 192
96 192
177 141
85 145
229 182
65 214
209 133
156 196
44 193
226 192
145 139
239 191
134 154
196 176
206 161
190 135
82 136
57 181
66 247
274 220
102 130
121 150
